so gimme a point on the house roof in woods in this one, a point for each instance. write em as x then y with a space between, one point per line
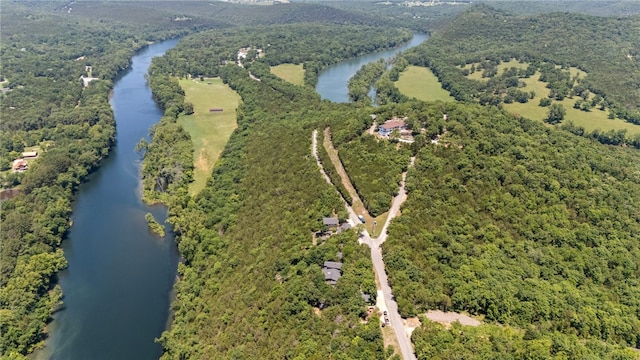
331 275
345 226
332 265
331 270
30 154
392 124
20 164
330 221
366 297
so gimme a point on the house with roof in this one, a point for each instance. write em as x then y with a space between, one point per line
390 125
29 154
332 271
331 223
20 165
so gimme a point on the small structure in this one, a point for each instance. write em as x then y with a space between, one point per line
331 222
366 297
344 227
29 154
390 125
332 271
215 110
20 165
86 80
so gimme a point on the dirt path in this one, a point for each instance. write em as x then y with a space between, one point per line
357 204
398 336
314 151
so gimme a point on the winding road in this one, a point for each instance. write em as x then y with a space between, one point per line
395 320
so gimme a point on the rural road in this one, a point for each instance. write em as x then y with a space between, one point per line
395 320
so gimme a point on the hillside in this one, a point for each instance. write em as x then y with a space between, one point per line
523 225
605 48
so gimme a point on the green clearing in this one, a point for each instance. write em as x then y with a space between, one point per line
421 83
591 120
209 130
511 63
289 72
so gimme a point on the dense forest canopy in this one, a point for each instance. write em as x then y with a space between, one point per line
524 225
46 48
533 229
606 48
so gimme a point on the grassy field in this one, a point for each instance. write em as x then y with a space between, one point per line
592 120
421 83
290 72
518 65
209 131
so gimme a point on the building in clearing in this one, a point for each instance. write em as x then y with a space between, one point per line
331 222
390 125
20 165
29 154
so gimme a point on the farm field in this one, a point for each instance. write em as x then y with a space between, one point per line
289 72
421 83
209 130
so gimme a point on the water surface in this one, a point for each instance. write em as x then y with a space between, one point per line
120 276
332 82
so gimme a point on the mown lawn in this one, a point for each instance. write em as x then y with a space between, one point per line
209 130
421 83
289 72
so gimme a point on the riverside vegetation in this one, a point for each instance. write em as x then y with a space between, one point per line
532 228
46 48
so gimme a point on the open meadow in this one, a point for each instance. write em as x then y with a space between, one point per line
209 130
419 82
289 72
589 120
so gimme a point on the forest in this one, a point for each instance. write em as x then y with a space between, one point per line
532 229
605 48
47 47
522 225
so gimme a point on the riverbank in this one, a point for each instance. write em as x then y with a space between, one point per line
118 282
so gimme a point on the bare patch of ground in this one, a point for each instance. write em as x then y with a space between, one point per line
448 318
411 324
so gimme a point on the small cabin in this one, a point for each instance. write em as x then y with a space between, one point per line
331 223
29 154
20 165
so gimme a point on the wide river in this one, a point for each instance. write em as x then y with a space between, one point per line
332 82
118 284
120 276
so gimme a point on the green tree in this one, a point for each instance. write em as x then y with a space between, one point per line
556 114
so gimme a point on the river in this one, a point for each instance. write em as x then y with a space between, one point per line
332 82
118 284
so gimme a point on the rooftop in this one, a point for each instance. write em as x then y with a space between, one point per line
330 221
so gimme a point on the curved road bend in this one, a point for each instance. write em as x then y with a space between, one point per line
395 320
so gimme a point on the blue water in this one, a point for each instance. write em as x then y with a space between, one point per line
332 82
118 284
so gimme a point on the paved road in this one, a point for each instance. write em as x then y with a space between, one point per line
395 320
